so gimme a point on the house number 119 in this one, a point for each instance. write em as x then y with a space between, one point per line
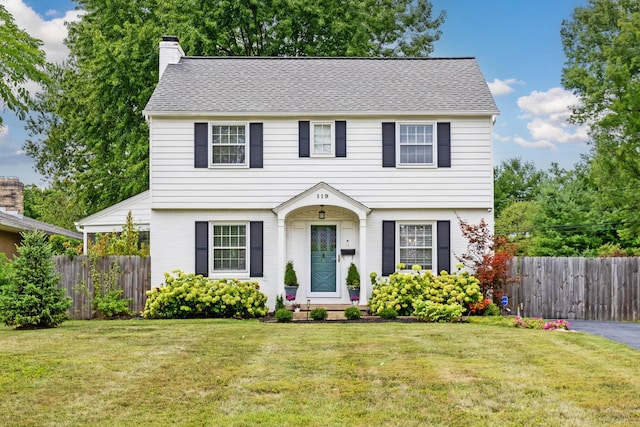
322 196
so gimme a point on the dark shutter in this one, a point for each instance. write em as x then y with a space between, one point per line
341 139
444 246
256 249
389 145
444 145
200 145
303 139
202 248
255 145
388 247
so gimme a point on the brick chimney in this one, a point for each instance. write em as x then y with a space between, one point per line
170 53
11 195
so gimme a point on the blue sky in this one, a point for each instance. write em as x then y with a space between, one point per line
516 42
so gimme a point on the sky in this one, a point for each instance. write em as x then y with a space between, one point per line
516 42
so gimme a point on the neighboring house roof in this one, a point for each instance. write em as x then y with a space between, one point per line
17 224
272 86
114 217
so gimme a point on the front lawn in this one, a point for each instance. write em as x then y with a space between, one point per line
248 373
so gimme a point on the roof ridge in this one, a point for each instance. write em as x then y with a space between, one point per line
375 58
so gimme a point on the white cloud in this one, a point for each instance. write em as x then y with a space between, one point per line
51 32
502 87
4 130
548 114
501 138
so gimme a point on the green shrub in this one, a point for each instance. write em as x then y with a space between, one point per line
279 302
32 299
388 313
353 277
402 290
491 310
429 311
61 245
283 315
186 295
110 304
352 313
319 314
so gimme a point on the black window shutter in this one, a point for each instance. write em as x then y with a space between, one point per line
200 145
341 138
444 246
389 145
255 145
303 139
256 249
444 145
202 248
388 247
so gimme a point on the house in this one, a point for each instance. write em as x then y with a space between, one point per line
12 219
113 218
322 161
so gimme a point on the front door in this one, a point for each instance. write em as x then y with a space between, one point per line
323 260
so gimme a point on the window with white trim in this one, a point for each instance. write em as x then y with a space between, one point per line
415 143
322 139
415 244
228 144
230 247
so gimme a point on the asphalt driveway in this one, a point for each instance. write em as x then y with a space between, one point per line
625 332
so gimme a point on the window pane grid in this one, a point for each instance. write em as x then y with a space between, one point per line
416 245
228 144
229 247
322 138
416 144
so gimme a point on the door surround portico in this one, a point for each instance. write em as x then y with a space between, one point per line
321 194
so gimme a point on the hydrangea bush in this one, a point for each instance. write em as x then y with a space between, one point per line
186 295
402 290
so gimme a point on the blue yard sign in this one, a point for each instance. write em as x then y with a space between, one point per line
504 300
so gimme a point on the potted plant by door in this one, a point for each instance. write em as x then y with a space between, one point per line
290 281
353 282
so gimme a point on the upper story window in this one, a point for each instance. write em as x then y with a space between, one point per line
322 139
415 244
228 144
230 247
415 143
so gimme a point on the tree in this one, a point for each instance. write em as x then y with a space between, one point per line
516 223
21 61
32 299
602 46
88 125
488 256
54 205
515 181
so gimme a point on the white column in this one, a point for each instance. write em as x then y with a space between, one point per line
282 254
364 273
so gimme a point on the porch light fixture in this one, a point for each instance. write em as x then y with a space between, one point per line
321 212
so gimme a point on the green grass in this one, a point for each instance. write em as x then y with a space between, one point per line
247 373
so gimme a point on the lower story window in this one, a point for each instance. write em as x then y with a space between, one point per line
416 245
230 247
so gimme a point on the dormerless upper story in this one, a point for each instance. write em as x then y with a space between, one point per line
229 132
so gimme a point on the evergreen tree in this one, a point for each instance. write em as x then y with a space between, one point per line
32 299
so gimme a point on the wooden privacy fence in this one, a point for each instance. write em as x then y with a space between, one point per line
75 278
576 288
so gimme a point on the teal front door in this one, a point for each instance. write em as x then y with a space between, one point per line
323 259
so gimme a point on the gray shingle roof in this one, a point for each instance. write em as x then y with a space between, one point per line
18 224
322 85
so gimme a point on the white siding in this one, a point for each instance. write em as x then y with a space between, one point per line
114 217
176 184
173 241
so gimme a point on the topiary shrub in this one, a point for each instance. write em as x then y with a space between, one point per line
388 313
32 299
319 314
352 313
283 315
186 295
